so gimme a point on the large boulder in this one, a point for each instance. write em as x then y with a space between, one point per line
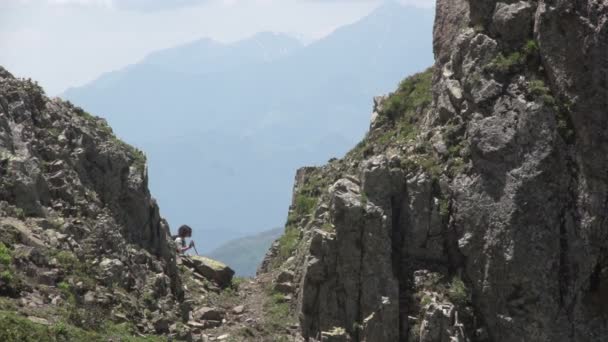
210 269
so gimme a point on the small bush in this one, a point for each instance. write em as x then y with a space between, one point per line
458 292
431 166
304 204
515 60
506 64
20 213
412 94
237 282
7 276
531 48
538 89
5 255
68 260
288 243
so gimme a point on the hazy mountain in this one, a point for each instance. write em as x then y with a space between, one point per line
235 121
245 254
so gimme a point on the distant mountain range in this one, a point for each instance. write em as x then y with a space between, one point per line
245 254
232 122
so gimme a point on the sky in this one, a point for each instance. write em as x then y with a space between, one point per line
67 43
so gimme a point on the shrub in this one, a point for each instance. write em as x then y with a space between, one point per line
515 60
5 255
458 292
538 89
304 204
506 64
7 276
20 213
431 166
531 48
68 260
413 93
288 242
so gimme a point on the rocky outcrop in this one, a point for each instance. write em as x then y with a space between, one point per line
210 269
475 208
78 225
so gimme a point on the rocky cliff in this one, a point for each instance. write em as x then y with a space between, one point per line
84 253
77 221
476 207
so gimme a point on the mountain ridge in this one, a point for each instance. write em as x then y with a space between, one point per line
261 123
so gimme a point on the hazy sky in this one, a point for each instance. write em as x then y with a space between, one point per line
63 43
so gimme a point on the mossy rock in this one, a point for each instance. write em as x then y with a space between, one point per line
211 269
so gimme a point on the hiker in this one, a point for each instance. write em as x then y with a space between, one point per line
180 240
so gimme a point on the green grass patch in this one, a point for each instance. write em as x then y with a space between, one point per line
414 92
399 114
506 64
277 315
15 328
288 243
516 60
305 204
430 165
531 48
539 90
69 262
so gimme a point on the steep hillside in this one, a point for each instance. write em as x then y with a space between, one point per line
84 253
475 208
228 128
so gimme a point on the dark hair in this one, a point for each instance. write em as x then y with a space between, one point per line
184 230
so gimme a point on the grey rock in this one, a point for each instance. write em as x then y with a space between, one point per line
335 335
440 324
517 229
161 325
513 22
39 320
284 288
285 276
238 310
206 313
210 269
74 200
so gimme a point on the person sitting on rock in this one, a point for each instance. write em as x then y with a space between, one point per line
183 233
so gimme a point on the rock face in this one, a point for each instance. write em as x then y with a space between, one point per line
475 209
77 222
